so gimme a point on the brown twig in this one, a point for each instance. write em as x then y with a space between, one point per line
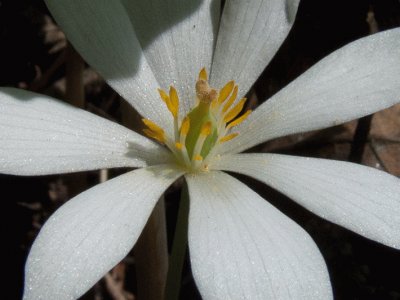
75 65
364 124
42 81
114 282
75 95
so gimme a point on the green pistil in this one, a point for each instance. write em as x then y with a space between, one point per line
198 116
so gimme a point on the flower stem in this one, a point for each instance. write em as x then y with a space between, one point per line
151 256
178 253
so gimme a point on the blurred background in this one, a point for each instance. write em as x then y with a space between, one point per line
35 55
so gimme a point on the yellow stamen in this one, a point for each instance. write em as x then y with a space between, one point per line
206 129
198 157
167 100
239 120
164 96
204 132
225 91
185 126
152 126
159 136
232 99
196 136
228 137
174 101
178 145
203 74
235 111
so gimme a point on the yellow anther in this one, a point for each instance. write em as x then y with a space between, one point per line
154 131
206 129
203 74
172 104
232 99
178 145
228 137
225 91
198 157
164 96
239 120
159 136
153 126
185 126
235 110
174 101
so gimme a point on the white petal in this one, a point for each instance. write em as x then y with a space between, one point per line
359 79
177 37
250 34
359 198
91 233
241 247
40 135
103 34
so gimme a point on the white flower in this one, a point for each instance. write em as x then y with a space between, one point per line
240 245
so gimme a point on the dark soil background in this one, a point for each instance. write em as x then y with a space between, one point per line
32 56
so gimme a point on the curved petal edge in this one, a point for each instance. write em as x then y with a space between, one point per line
92 232
41 135
361 199
241 247
359 79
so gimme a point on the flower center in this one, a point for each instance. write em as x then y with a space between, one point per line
209 124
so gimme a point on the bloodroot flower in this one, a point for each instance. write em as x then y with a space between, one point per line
157 54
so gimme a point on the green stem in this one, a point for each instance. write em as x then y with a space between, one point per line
179 245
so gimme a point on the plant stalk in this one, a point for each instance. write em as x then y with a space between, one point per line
179 246
151 256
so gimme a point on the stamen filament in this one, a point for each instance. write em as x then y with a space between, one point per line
185 126
176 129
184 130
232 99
185 156
183 151
182 140
198 159
204 132
170 144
